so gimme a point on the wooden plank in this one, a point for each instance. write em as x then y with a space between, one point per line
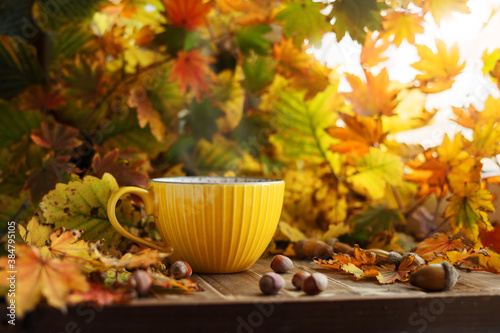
234 303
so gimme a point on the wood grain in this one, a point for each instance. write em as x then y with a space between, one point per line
234 303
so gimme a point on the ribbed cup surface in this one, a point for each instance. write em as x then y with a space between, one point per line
218 228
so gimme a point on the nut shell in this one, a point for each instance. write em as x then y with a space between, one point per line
315 284
299 277
271 283
281 264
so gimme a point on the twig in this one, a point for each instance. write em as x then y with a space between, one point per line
398 198
21 209
419 203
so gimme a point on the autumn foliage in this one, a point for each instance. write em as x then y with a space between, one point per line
108 94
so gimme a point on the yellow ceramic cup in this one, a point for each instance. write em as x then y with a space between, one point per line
216 224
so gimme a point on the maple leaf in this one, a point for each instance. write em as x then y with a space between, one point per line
492 261
353 16
359 273
375 171
358 135
251 38
402 25
99 295
304 20
442 9
373 97
193 71
165 282
35 233
491 238
390 273
189 14
372 50
54 169
54 135
454 257
249 11
470 117
113 42
144 36
41 97
485 140
468 209
144 258
291 60
81 205
37 278
229 96
439 69
145 113
125 171
439 243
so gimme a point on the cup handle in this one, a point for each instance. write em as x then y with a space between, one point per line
150 204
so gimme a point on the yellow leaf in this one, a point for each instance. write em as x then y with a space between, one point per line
292 233
439 69
335 230
373 97
145 113
442 9
492 261
229 97
402 25
371 53
35 234
38 278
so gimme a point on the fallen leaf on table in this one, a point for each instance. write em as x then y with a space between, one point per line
165 282
99 295
38 278
144 258
390 273
440 243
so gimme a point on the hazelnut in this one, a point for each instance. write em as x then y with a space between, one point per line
299 277
310 248
180 270
315 284
435 277
281 264
271 283
142 282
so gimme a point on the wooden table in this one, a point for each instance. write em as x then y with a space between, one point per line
234 303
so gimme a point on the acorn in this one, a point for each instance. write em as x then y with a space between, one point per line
435 277
310 248
338 247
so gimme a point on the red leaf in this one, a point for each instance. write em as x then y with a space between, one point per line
38 97
188 14
191 69
491 238
126 172
98 295
53 135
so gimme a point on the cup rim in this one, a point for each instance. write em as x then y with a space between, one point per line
215 180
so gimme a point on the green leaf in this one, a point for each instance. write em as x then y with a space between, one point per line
125 132
259 72
202 119
217 156
353 16
15 15
82 205
375 170
177 39
304 20
19 67
16 124
301 126
375 219
57 14
251 38
70 41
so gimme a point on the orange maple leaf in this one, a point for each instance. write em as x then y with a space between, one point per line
390 273
440 243
249 11
99 295
146 114
189 14
373 97
439 69
292 60
358 135
371 53
402 25
38 278
192 70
